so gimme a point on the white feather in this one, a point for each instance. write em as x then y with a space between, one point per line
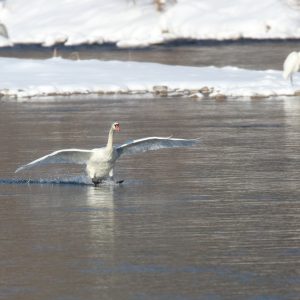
65 156
291 65
154 143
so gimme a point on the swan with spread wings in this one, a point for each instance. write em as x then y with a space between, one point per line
100 162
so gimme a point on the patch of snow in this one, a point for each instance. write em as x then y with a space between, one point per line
57 76
74 22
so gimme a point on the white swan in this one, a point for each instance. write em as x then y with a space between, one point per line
100 161
291 65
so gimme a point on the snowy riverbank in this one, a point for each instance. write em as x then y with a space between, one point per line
130 23
21 78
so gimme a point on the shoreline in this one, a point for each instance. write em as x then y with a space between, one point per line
28 78
200 94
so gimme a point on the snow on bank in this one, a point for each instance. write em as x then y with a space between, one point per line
57 76
130 23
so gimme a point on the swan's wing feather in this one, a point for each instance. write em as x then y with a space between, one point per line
65 156
154 143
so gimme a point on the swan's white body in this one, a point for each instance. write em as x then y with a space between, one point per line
100 162
291 65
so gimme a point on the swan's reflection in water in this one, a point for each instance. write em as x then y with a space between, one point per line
100 206
101 196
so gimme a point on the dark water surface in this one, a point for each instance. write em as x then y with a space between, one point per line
218 221
249 54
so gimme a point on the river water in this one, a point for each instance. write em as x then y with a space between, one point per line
249 54
217 221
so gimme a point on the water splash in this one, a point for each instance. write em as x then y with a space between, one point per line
76 180
73 180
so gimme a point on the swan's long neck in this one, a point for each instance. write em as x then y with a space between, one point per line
109 145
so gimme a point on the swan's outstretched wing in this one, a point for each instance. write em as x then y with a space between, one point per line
154 143
65 156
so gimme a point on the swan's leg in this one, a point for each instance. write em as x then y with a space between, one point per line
111 174
291 80
111 177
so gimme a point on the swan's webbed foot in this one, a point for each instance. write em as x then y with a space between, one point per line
111 178
96 181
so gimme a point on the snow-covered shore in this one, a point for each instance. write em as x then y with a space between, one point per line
130 23
21 78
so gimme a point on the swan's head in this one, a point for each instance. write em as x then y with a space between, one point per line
116 126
